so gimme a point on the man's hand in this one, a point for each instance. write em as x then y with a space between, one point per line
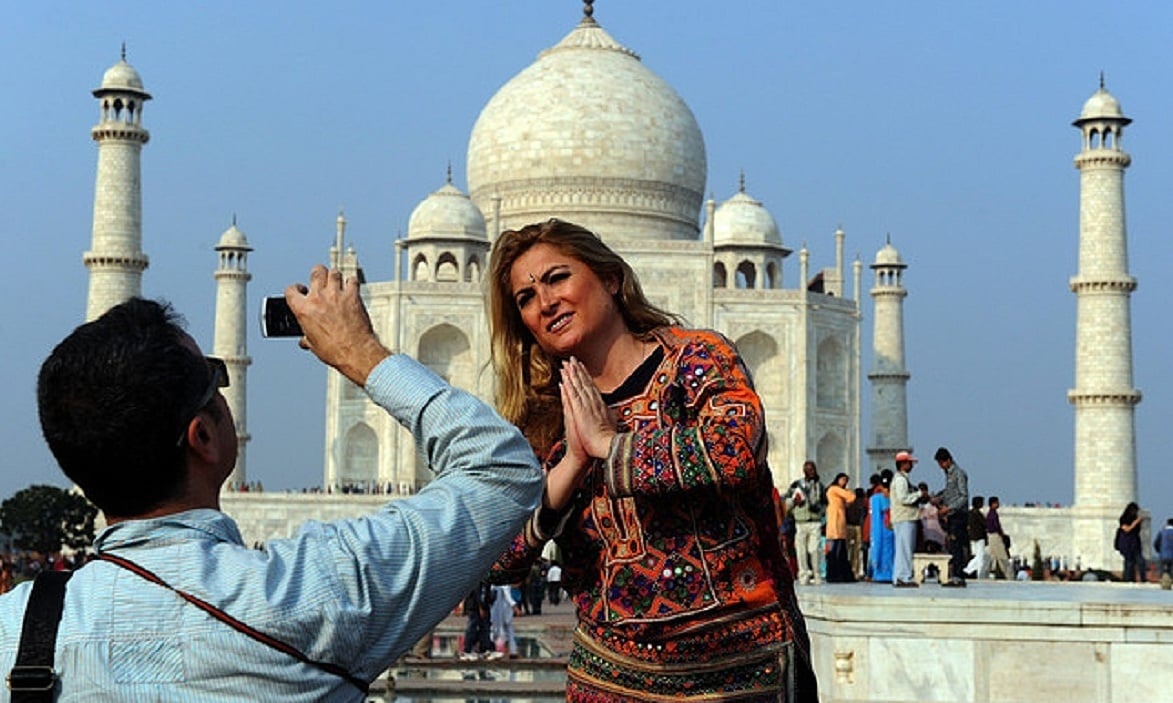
335 323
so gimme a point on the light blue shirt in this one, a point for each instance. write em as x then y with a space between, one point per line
357 593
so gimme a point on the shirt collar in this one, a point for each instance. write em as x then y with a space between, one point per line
203 523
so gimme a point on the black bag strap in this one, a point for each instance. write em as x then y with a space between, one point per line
32 679
237 625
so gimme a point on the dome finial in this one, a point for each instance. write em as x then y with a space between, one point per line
888 237
234 219
1101 79
741 182
449 171
123 51
588 10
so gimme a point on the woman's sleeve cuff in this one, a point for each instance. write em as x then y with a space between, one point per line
544 525
617 468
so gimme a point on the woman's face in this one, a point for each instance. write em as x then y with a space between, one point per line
842 481
563 304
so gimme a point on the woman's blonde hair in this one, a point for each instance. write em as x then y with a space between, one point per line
527 382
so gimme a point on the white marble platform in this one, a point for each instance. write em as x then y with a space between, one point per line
996 641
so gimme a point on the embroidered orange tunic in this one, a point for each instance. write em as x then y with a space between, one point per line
671 546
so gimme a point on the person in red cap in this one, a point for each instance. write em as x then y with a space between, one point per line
904 514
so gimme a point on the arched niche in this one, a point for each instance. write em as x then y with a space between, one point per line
831 375
720 276
360 456
446 350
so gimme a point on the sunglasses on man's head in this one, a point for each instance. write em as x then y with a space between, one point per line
217 378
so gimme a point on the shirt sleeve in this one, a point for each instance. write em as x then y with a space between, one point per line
708 432
962 497
395 573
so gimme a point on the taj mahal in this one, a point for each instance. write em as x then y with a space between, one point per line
589 134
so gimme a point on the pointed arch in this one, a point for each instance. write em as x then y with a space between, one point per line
419 269
773 276
831 374
447 270
446 350
746 275
831 455
472 269
360 456
760 353
720 276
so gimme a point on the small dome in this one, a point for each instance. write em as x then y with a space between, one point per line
233 238
122 78
889 256
1101 104
446 213
743 220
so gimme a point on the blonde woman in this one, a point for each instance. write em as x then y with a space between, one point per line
657 492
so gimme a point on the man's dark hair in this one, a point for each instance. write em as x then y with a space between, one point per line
922 486
875 479
114 397
979 501
994 499
942 455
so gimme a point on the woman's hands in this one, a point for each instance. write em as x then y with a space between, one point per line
589 430
588 418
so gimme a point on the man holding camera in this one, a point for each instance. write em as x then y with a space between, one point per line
133 414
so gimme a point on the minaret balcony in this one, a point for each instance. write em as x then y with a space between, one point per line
137 262
120 130
889 376
1104 158
1087 284
1121 399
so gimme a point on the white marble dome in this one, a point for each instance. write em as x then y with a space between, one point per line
121 77
233 238
447 213
1100 105
589 134
743 220
889 256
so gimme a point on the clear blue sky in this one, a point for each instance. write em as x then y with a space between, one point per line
946 125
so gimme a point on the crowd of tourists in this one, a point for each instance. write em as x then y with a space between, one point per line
831 532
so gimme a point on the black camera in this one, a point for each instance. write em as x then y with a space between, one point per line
277 320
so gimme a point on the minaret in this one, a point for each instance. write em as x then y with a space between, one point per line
231 337
115 260
345 260
1104 397
888 377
